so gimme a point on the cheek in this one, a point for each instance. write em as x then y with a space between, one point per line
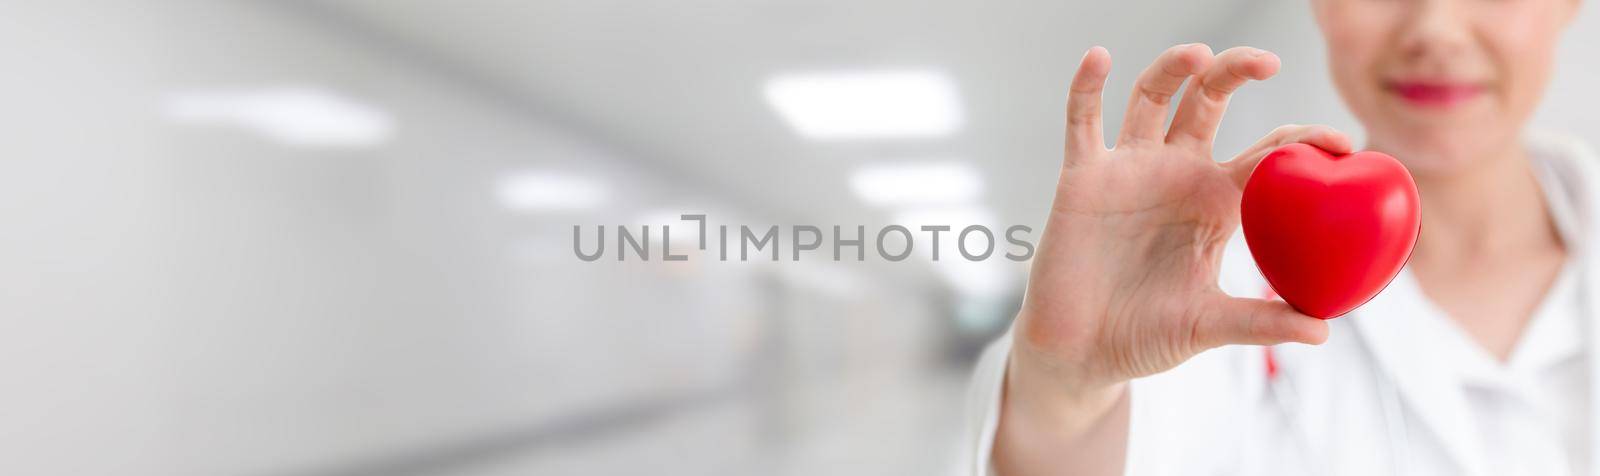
1524 77
1356 44
1521 45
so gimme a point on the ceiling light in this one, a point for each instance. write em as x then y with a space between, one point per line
853 105
954 217
537 191
295 116
921 184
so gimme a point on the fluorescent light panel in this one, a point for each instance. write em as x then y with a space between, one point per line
538 191
866 104
295 116
954 217
917 184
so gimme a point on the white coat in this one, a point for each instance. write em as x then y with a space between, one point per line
1373 400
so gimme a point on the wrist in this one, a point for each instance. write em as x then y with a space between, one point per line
1048 426
1040 392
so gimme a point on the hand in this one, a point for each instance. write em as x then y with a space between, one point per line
1125 282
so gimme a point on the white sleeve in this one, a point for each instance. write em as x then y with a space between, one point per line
1196 418
983 407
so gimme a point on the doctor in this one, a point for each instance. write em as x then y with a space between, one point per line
1145 345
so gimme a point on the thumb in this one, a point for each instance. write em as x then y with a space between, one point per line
1258 322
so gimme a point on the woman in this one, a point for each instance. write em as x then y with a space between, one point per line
1127 356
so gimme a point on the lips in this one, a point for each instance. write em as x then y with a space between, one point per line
1435 94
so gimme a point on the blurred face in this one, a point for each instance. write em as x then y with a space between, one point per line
1442 84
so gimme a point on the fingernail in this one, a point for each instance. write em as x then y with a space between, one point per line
1255 52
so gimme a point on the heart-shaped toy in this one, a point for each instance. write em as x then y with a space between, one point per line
1329 232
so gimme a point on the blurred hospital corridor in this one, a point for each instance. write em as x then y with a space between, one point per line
337 237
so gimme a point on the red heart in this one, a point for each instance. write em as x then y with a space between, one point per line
1329 232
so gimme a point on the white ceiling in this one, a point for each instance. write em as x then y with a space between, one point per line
677 85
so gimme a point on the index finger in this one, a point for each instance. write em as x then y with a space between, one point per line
1200 111
1084 137
1153 91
